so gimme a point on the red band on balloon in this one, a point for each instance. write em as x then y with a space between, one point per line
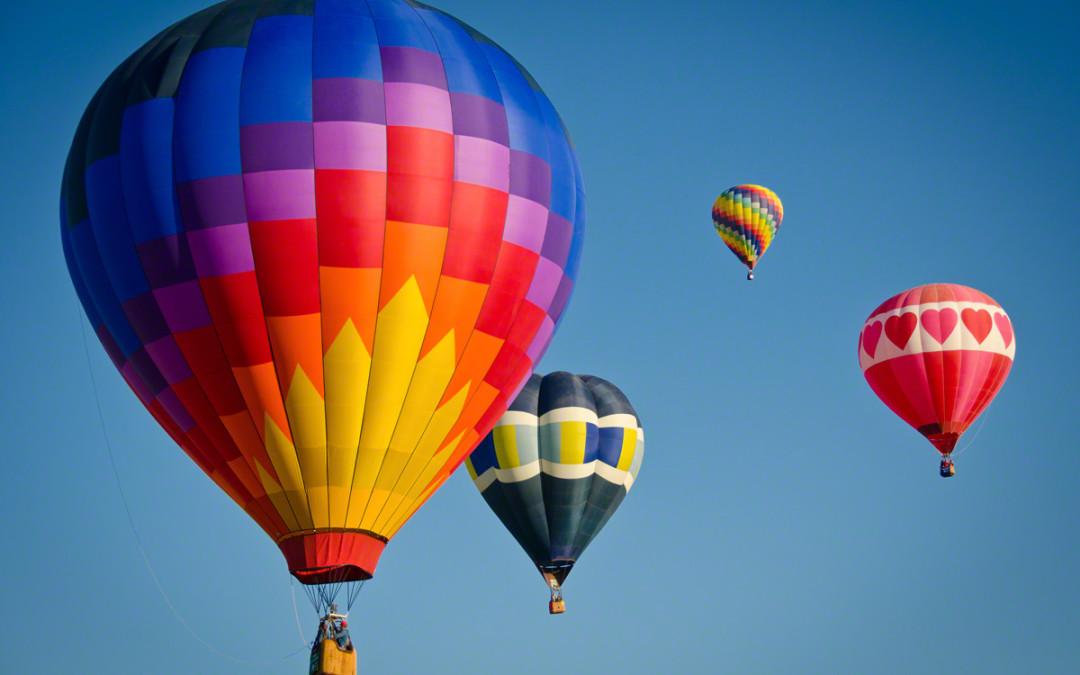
331 557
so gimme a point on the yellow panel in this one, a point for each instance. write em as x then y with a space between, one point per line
347 365
245 474
283 457
277 498
506 452
429 380
415 498
441 422
307 418
572 436
470 467
399 333
629 443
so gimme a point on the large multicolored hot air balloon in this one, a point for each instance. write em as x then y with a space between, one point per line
557 465
747 217
937 355
324 242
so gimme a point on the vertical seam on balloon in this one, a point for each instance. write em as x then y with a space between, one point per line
400 514
318 279
378 294
262 306
213 326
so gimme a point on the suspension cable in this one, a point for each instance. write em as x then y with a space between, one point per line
131 520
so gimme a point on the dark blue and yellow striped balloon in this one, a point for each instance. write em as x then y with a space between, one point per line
747 217
557 465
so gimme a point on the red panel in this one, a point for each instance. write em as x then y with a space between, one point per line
351 209
477 220
286 256
202 351
235 307
326 557
420 175
513 275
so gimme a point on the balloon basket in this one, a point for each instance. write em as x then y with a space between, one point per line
327 658
556 607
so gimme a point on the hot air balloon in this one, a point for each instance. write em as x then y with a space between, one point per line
324 242
937 355
747 217
557 465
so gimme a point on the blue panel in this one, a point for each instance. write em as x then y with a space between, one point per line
277 72
108 219
523 116
611 443
467 69
146 165
99 289
591 442
573 261
398 25
345 44
76 276
563 180
207 134
483 457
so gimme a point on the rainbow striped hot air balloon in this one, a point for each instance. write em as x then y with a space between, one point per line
324 242
747 217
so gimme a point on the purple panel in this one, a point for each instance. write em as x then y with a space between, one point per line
418 105
145 318
481 162
183 306
544 284
176 410
541 341
276 145
280 195
348 99
116 355
350 145
222 250
169 360
166 261
210 202
144 366
562 296
480 117
526 222
560 232
136 383
530 177
407 64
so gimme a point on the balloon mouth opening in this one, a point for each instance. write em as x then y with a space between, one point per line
557 570
325 557
944 441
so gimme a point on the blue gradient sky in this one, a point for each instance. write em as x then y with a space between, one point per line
784 520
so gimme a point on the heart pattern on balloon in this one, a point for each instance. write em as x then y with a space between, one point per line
1004 327
870 338
899 327
978 321
939 324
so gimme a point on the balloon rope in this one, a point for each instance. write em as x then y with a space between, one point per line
131 520
296 612
977 432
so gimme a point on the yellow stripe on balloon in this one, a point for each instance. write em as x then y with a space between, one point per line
629 444
424 458
399 333
277 497
307 415
283 457
347 366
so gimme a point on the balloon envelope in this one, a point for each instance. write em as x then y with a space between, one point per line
747 217
558 464
324 242
937 355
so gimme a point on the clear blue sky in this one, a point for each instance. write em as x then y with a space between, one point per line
784 520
